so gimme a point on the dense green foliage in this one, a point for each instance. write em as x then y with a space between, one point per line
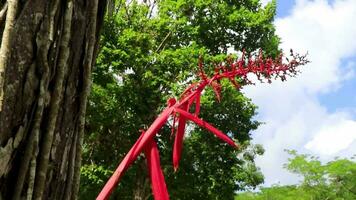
146 58
333 180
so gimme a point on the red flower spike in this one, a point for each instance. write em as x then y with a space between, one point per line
159 188
188 90
171 102
207 126
178 142
217 90
195 99
233 81
263 69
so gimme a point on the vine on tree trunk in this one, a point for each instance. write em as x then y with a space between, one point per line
47 52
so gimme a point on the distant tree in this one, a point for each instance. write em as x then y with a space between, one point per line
333 180
276 192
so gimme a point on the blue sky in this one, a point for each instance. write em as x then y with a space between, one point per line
284 7
314 113
345 96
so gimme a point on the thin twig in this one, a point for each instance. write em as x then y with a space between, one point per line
160 47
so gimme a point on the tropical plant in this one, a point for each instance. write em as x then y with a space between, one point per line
149 55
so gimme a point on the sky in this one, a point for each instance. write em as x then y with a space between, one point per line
314 113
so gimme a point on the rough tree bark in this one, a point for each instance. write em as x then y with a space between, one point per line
47 51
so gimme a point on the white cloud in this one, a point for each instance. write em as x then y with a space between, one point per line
265 2
333 138
294 117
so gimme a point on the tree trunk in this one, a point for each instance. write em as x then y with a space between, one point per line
142 190
48 48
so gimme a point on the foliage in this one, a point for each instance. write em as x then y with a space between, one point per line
333 180
276 193
144 60
94 175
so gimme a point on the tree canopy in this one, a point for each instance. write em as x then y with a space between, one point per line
150 54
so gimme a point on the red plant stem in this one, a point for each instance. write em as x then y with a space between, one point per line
133 153
158 184
206 125
178 142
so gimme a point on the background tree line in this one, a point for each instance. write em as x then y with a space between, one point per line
334 180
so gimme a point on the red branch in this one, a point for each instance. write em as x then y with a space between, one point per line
236 72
